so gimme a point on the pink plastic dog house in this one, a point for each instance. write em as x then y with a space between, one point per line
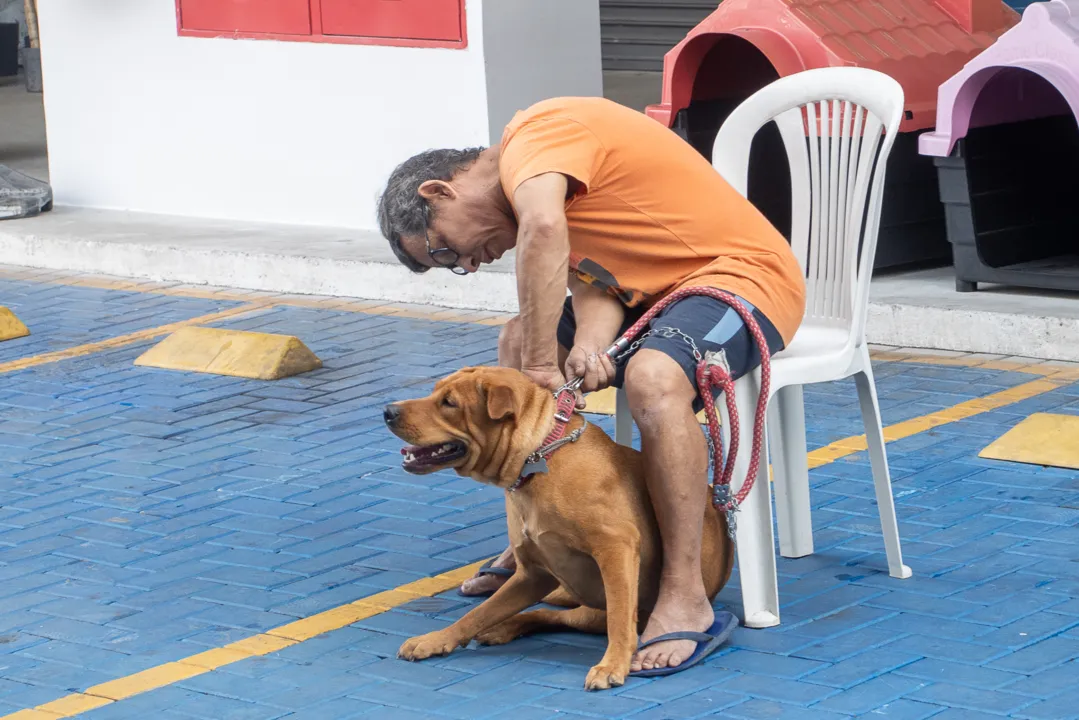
1006 135
746 44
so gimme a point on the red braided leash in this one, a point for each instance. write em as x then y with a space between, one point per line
711 375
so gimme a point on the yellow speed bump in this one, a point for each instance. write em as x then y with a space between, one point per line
1041 439
10 326
259 356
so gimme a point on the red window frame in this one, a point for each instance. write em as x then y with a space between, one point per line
317 35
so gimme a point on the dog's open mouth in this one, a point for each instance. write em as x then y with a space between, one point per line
424 457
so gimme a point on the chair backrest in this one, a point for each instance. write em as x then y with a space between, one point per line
838 126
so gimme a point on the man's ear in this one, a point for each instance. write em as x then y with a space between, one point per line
501 402
437 190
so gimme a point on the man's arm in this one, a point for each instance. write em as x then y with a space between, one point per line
542 271
599 318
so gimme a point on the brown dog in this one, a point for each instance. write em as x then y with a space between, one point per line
587 525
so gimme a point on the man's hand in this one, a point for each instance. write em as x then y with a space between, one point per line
598 315
591 363
551 377
546 376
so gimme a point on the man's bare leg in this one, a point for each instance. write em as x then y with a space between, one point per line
509 355
676 465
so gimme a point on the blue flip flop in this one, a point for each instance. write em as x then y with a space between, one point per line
488 568
707 642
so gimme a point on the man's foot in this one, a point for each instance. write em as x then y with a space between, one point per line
673 613
487 583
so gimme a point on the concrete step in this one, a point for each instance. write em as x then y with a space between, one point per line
918 309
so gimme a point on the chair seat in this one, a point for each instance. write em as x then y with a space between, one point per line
818 353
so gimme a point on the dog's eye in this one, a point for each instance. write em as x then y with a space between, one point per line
448 402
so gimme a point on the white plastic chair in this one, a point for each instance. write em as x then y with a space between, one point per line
837 181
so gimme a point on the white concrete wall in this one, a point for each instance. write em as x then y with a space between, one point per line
538 50
286 132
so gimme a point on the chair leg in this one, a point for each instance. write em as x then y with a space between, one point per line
878 458
623 420
754 538
787 438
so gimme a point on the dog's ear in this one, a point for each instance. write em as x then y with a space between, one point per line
501 402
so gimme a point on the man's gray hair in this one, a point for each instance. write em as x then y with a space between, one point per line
401 210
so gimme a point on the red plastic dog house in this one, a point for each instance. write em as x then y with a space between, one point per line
745 44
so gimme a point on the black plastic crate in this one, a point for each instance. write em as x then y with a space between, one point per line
9 49
1010 205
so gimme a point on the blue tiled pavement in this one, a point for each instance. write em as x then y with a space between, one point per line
146 515
62 316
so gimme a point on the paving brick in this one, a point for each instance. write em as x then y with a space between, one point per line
834 623
494 707
871 694
1065 705
993 701
766 664
591 703
904 710
335 709
778 689
862 667
710 701
1047 683
1040 656
843 646
923 605
1029 629
754 709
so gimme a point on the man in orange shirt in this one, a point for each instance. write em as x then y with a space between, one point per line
602 200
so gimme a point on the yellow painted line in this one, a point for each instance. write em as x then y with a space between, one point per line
129 339
970 408
33 714
262 644
970 361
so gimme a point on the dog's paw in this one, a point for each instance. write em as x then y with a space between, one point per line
605 677
425 646
500 634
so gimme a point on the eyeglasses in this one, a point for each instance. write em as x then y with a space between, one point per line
443 257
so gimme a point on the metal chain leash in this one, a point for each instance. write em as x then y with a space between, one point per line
667 332
714 372
721 494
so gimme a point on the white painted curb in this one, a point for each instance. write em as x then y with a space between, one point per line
128 255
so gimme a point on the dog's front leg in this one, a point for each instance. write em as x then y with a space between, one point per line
526 587
619 565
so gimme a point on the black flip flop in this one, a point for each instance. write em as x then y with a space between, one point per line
488 568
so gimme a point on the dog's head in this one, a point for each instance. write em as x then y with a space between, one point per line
482 422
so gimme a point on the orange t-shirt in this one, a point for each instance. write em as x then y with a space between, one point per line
651 214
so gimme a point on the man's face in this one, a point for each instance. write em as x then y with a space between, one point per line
465 228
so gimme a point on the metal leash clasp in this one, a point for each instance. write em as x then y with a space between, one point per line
571 387
721 497
719 359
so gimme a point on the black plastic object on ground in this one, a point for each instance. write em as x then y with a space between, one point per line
9 49
22 195
1011 213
